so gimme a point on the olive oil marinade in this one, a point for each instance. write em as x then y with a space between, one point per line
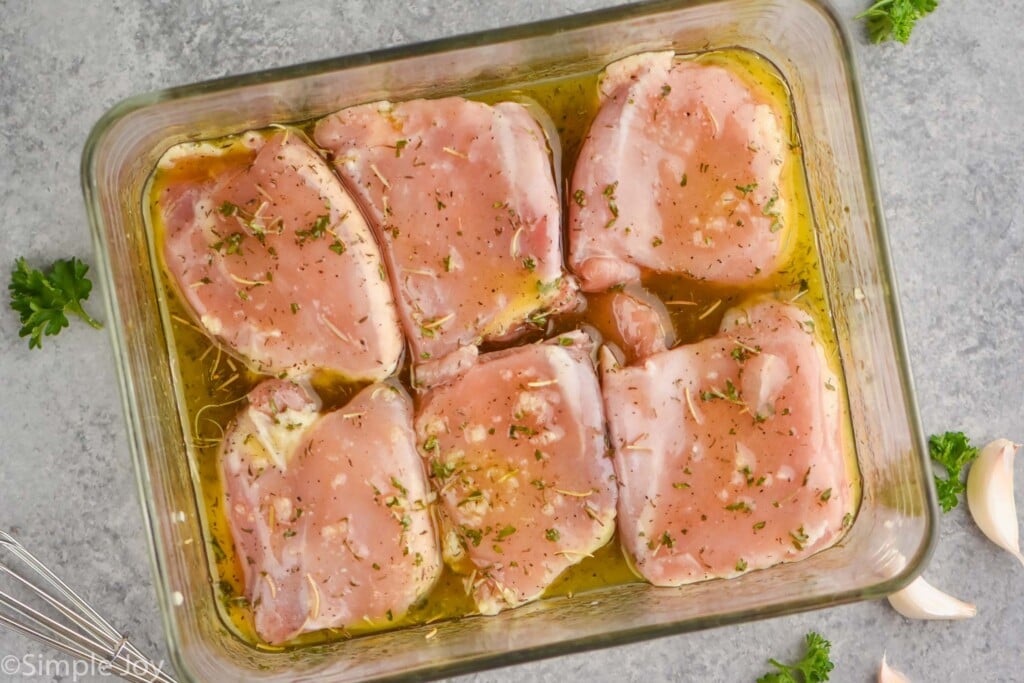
212 384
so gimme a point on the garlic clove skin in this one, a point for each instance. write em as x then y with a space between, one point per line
990 495
886 674
921 600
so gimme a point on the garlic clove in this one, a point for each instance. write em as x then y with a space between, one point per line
990 495
921 600
886 674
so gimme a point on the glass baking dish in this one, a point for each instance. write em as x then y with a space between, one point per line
891 537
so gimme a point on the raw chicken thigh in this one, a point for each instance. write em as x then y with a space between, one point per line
462 198
274 259
329 512
681 172
729 452
516 450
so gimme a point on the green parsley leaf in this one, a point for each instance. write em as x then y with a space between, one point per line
545 288
218 552
813 668
895 19
953 451
613 207
317 230
398 485
948 491
515 430
43 300
441 470
474 496
232 244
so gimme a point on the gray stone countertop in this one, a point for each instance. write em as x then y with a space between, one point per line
947 119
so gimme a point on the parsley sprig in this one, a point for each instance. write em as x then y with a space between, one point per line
895 19
953 451
813 668
43 300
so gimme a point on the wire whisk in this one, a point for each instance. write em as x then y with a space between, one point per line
34 602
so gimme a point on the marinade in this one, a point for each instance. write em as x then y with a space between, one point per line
211 384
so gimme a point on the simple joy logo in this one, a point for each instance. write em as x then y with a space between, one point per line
37 665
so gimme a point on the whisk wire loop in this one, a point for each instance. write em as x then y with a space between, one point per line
37 603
